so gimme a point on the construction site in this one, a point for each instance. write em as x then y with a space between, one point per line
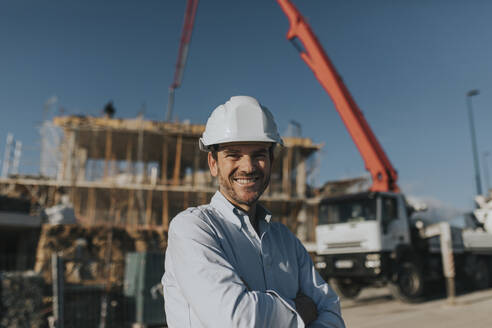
140 173
83 235
129 177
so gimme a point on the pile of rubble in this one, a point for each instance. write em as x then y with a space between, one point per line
21 300
91 252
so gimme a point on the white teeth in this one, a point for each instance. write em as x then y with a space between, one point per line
244 180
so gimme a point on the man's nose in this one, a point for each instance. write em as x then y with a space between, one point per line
247 164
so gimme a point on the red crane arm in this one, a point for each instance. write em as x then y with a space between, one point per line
184 45
384 176
189 19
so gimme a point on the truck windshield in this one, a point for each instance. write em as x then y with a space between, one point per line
347 211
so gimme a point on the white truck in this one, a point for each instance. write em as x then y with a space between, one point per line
376 239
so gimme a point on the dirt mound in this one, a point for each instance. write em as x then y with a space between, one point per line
91 251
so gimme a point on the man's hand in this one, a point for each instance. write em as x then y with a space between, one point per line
306 308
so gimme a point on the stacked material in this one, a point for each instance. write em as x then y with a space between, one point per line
90 252
20 299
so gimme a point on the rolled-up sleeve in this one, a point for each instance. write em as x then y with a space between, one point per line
211 286
312 285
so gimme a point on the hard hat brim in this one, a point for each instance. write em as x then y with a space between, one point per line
209 147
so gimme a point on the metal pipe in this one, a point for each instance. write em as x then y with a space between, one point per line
57 272
447 256
6 158
17 156
486 172
478 184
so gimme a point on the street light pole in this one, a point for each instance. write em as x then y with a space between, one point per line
486 172
478 184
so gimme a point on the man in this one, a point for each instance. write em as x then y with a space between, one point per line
227 264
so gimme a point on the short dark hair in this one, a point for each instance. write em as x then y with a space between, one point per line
215 149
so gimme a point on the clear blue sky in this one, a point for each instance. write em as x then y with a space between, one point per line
408 65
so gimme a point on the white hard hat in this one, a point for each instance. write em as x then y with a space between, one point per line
240 119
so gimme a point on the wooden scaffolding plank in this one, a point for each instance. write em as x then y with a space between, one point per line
145 176
112 206
177 161
294 213
131 202
286 171
165 210
81 163
92 205
300 174
76 197
41 256
129 163
164 160
148 207
67 172
113 165
117 217
107 152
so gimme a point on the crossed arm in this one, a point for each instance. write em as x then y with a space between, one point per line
315 291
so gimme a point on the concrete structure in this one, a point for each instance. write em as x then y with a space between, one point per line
140 172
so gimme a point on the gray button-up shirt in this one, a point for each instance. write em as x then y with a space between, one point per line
220 273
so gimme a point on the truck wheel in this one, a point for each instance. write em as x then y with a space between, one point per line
346 288
409 285
481 275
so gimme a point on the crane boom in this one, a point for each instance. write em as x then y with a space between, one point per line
184 45
384 176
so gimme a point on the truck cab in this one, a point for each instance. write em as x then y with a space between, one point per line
358 237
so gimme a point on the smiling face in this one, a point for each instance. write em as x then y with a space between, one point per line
243 170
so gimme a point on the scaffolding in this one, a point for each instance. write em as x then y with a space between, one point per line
142 173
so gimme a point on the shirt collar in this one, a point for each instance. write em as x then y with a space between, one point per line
234 214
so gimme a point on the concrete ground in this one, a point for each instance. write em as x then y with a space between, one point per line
376 308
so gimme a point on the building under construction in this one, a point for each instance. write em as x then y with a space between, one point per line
136 172
121 181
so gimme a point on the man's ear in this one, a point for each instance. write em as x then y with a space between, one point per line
212 165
